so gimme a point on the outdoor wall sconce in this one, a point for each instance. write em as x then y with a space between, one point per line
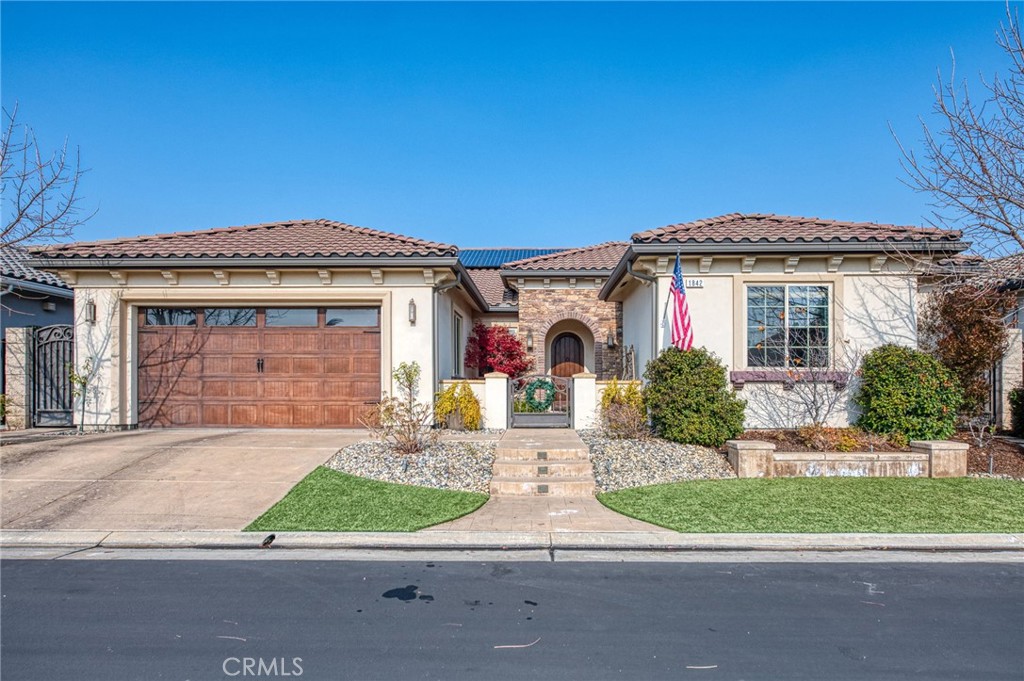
90 312
412 312
529 341
611 340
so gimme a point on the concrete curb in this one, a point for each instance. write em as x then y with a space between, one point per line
441 540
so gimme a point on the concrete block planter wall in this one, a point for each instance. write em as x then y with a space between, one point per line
926 459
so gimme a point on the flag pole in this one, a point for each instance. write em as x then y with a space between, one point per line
664 314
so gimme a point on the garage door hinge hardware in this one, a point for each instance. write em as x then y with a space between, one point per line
259 365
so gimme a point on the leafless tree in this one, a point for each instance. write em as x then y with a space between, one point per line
972 161
40 190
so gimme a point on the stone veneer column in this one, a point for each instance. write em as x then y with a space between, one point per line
496 400
18 382
1012 369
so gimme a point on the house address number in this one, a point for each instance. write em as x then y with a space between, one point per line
693 283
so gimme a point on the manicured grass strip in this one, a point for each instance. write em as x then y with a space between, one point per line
329 501
945 505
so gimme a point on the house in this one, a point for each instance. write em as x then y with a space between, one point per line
29 297
300 323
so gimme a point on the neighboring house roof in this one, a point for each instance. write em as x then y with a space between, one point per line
298 238
474 258
13 265
768 228
600 257
1009 270
493 289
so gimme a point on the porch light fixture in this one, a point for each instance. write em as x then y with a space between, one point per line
90 312
611 340
412 312
529 341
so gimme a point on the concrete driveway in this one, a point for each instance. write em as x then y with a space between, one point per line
187 479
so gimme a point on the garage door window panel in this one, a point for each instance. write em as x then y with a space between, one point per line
229 316
352 316
170 316
292 316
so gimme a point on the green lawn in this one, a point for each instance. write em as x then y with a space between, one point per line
329 501
946 505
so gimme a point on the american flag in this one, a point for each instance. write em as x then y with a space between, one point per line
682 332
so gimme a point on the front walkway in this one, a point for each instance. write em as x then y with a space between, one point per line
546 514
516 504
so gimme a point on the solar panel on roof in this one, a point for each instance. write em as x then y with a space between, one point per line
486 258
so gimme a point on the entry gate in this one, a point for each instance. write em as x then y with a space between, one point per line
53 357
540 401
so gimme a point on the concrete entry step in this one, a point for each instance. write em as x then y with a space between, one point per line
558 487
542 469
541 454
541 462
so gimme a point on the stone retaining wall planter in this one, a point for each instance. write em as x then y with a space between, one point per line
926 459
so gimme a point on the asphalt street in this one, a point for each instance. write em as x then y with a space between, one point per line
222 619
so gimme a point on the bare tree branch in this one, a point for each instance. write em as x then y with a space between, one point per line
973 164
41 190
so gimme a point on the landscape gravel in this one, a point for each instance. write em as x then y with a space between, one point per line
463 465
619 464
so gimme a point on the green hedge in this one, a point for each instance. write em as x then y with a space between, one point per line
1017 411
908 394
690 400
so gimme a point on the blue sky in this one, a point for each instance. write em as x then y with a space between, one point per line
486 124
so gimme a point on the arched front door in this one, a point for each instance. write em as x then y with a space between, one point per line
567 355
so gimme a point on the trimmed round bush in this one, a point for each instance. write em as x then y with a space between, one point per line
1016 411
909 393
690 400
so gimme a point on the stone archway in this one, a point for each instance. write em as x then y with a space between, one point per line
568 332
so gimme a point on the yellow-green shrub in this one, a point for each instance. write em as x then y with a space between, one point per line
458 399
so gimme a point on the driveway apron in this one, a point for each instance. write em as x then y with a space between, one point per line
175 479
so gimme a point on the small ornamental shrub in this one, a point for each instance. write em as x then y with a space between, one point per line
622 410
1017 411
401 421
458 400
494 348
907 395
690 400
824 439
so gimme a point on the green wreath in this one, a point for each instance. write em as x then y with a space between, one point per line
545 384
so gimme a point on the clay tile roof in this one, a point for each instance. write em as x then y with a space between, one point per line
1010 268
599 257
768 228
12 265
493 289
309 238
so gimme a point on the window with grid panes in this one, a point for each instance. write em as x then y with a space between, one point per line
788 326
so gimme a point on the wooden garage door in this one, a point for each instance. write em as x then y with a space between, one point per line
267 367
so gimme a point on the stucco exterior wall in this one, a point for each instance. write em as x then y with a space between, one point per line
872 303
110 343
638 324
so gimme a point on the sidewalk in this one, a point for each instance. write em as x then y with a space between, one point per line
447 540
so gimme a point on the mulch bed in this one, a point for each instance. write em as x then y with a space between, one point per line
1008 457
791 441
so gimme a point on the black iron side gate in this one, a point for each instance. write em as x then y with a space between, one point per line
53 357
540 401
